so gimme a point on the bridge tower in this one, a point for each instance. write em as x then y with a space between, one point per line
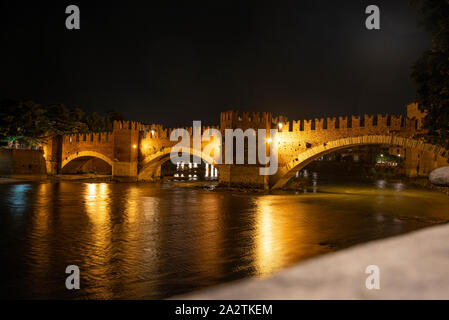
126 143
52 154
417 163
247 174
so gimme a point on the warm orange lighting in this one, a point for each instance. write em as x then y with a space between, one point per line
97 201
134 146
280 125
152 132
268 140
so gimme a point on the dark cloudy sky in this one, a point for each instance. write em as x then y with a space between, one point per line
176 61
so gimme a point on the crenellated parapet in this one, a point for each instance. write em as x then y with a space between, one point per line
355 122
157 131
153 131
87 138
126 125
342 123
241 119
319 124
206 128
331 123
367 122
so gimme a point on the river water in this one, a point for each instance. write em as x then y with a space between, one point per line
153 241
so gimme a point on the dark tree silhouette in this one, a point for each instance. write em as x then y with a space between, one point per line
431 70
30 123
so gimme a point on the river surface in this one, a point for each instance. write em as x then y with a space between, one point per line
151 241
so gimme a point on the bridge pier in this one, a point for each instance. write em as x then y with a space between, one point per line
242 176
124 171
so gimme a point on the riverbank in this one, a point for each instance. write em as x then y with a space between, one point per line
411 266
11 180
329 173
425 183
90 177
299 184
22 178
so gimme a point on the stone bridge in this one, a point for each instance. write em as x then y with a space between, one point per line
134 151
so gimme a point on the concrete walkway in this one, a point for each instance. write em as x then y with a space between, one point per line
412 266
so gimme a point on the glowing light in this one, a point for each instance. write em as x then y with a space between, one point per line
382 155
134 146
152 132
145 146
96 198
268 140
266 238
280 125
91 190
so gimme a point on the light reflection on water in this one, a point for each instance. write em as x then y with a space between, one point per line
154 241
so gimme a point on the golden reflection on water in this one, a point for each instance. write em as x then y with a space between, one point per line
137 263
150 209
40 241
207 254
272 235
97 205
132 204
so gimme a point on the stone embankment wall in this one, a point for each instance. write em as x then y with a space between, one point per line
16 163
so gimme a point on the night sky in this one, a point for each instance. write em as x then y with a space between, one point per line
175 61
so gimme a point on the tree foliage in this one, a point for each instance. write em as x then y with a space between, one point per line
30 123
431 70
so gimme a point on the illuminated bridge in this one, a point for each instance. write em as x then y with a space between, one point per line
134 151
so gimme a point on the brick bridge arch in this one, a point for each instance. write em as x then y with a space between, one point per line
286 172
88 155
151 165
